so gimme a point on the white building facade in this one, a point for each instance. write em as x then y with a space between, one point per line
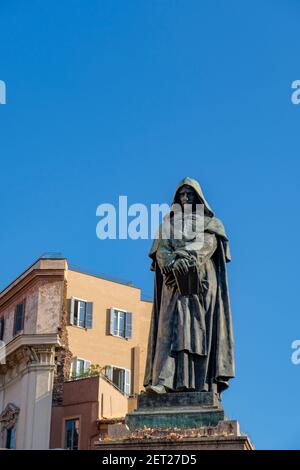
31 310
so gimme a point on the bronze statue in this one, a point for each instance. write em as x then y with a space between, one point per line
190 344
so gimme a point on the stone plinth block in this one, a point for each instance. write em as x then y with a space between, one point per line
176 410
224 436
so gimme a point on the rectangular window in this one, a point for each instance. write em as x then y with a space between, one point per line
120 377
19 318
79 367
72 434
10 438
2 324
120 323
81 313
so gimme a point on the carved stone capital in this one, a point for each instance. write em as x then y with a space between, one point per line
28 356
9 416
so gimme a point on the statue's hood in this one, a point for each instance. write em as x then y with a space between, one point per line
211 223
197 188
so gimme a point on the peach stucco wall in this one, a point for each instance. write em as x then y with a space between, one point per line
95 344
112 403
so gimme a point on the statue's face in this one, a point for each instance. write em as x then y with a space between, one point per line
186 195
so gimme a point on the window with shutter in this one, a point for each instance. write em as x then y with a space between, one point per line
120 377
81 313
79 367
120 323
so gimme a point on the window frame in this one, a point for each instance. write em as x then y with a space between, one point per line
21 330
77 358
63 434
113 366
118 310
78 299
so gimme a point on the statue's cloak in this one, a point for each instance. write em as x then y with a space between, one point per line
220 363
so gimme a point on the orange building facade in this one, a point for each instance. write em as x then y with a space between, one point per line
108 327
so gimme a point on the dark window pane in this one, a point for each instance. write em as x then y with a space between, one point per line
76 435
76 312
1 329
71 434
10 438
118 378
122 380
19 318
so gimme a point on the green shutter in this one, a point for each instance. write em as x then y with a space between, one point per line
128 325
71 310
111 326
89 314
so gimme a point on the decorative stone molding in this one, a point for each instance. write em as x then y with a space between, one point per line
42 355
9 416
28 356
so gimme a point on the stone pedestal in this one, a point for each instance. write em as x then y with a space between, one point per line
176 410
177 421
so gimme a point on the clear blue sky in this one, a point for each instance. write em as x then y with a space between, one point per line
109 98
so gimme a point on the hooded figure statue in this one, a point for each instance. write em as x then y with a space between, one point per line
190 345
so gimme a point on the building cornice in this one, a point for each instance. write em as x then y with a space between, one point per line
54 269
32 340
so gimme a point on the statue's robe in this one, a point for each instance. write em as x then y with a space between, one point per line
190 343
